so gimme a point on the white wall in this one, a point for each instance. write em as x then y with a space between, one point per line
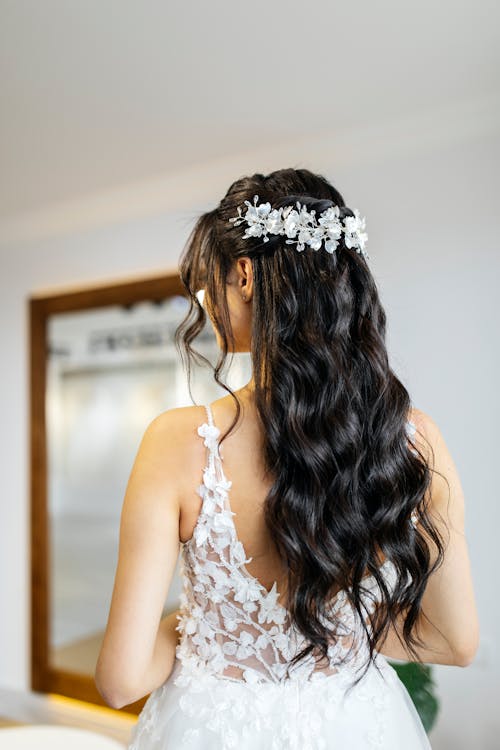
433 224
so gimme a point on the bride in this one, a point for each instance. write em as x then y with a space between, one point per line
319 515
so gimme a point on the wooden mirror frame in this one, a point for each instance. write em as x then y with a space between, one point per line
44 677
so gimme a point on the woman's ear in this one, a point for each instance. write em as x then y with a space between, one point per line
245 277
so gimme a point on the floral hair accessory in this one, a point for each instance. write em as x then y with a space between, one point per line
301 226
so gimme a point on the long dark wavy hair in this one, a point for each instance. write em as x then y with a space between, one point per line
333 412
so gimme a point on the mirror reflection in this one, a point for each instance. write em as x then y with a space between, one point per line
110 371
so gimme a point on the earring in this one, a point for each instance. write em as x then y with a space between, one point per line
244 297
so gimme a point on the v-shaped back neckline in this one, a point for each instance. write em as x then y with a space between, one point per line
214 454
228 484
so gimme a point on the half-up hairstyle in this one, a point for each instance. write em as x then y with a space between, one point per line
334 414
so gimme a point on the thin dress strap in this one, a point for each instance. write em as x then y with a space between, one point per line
208 409
215 450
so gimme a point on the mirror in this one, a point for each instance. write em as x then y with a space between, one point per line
104 364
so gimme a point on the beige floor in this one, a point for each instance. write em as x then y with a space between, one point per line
80 656
8 723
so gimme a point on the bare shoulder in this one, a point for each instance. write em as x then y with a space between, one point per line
177 429
427 431
177 424
176 445
446 483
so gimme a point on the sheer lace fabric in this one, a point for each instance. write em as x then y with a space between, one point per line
231 624
232 681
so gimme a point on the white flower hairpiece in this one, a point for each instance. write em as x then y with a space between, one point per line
301 226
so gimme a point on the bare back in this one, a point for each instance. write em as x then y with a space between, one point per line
244 467
243 463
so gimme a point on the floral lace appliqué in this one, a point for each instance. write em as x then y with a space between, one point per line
237 640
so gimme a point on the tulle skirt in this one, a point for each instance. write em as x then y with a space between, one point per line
204 712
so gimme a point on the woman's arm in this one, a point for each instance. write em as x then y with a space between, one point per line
137 639
163 658
448 624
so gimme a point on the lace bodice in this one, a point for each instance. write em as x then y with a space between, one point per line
231 685
230 625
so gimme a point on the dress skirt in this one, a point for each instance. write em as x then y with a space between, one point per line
199 711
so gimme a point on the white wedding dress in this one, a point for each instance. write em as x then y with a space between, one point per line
231 687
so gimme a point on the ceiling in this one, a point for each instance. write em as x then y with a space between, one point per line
98 93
